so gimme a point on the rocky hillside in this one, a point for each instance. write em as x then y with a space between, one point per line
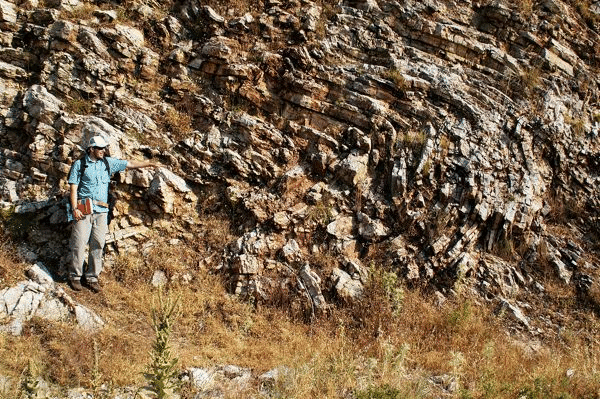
455 142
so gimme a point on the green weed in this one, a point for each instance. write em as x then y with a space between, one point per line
379 392
163 372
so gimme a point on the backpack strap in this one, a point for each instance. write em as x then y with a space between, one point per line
82 166
107 166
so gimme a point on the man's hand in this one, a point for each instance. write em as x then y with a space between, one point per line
77 214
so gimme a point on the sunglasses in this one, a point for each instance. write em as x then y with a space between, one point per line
99 148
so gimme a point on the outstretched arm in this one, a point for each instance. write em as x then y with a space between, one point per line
143 164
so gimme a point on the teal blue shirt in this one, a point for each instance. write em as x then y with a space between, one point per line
95 179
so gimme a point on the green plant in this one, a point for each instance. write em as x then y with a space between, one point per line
162 372
379 392
30 383
18 225
321 213
393 357
457 362
96 374
393 290
460 316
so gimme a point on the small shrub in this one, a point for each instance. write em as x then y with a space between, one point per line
392 290
525 7
505 248
460 316
426 168
17 225
437 222
583 8
564 209
79 106
444 145
321 213
529 80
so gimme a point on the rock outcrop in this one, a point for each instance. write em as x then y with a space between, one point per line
40 297
440 139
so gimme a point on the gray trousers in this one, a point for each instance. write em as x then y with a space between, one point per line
91 229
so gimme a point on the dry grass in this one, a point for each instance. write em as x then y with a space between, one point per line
387 343
11 269
79 106
397 78
414 140
83 11
564 209
583 8
529 81
177 124
525 7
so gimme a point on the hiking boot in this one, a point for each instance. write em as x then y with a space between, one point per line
75 285
93 286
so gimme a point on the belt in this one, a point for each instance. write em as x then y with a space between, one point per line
96 202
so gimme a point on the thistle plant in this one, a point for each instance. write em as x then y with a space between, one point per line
96 380
162 372
30 383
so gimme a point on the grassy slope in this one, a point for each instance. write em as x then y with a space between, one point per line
396 338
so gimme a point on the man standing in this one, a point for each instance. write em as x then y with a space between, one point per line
89 179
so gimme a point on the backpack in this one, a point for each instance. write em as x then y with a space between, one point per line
111 200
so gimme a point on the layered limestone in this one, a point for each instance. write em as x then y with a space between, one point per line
440 140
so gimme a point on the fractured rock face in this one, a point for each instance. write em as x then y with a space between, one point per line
40 297
339 128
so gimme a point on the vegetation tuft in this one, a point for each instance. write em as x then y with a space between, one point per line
413 140
381 392
79 106
162 374
177 124
397 78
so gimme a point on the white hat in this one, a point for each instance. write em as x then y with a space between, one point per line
97 141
